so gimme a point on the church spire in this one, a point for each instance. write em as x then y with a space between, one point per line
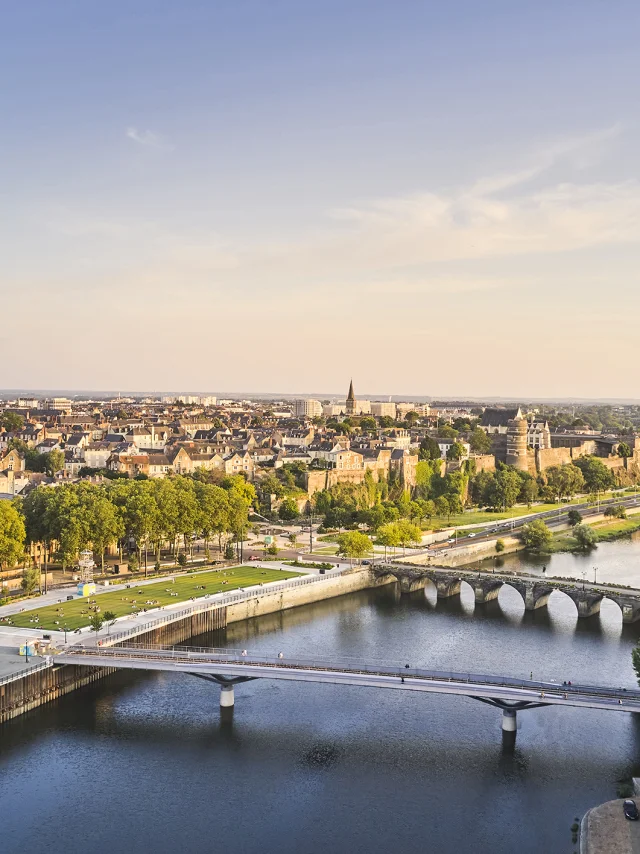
351 395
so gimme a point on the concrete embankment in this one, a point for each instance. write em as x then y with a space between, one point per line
605 830
43 685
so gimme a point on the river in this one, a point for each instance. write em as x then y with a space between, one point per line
144 762
615 562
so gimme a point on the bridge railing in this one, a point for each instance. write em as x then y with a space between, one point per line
207 655
216 600
19 674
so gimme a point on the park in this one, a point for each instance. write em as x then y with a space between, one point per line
136 598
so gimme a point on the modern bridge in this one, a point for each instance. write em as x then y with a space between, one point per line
231 667
535 590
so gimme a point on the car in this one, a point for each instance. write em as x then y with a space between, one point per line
254 557
630 810
451 540
471 535
366 563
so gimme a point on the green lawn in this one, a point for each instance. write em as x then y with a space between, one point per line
565 542
76 614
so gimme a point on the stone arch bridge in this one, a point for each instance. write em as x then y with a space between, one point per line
535 591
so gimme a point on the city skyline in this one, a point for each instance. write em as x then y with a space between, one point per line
449 196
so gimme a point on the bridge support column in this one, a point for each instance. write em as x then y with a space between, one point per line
226 697
588 606
486 590
509 720
536 596
630 611
408 585
448 587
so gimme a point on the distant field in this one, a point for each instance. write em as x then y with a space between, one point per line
76 614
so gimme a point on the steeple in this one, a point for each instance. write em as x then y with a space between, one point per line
351 401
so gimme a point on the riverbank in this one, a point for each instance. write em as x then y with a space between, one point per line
606 531
605 830
32 689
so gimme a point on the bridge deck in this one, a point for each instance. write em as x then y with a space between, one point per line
232 664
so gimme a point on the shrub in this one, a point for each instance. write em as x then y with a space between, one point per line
499 546
182 559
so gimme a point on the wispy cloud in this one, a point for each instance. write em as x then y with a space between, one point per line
149 139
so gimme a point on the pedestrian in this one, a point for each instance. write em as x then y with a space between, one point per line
531 675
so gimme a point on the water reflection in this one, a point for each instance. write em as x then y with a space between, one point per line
340 768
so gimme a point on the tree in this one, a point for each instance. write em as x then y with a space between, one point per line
53 462
288 510
564 480
447 432
388 536
536 536
480 442
429 449
442 506
528 488
30 579
354 544
585 536
624 450
12 422
96 622
504 489
574 517
12 534
368 423
105 525
597 477
411 418
456 451
499 545
110 619
408 534
635 659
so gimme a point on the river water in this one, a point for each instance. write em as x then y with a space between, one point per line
615 562
144 762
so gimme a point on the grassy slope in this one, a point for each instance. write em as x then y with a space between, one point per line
76 614
564 542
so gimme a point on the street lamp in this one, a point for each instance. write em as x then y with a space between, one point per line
595 574
584 576
65 633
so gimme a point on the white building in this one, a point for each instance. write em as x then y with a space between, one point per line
308 408
445 444
383 409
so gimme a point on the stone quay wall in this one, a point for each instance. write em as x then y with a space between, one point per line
43 685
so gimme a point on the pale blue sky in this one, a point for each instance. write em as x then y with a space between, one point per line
278 194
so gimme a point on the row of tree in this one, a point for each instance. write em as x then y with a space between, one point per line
141 515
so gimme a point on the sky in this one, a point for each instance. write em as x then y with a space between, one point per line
277 195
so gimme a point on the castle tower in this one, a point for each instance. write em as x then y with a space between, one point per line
517 444
351 401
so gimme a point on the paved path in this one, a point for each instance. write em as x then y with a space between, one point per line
11 637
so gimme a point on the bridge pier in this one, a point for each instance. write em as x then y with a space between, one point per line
448 587
536 596
509 720
588 604
408 584
630 610
486 590
227 698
